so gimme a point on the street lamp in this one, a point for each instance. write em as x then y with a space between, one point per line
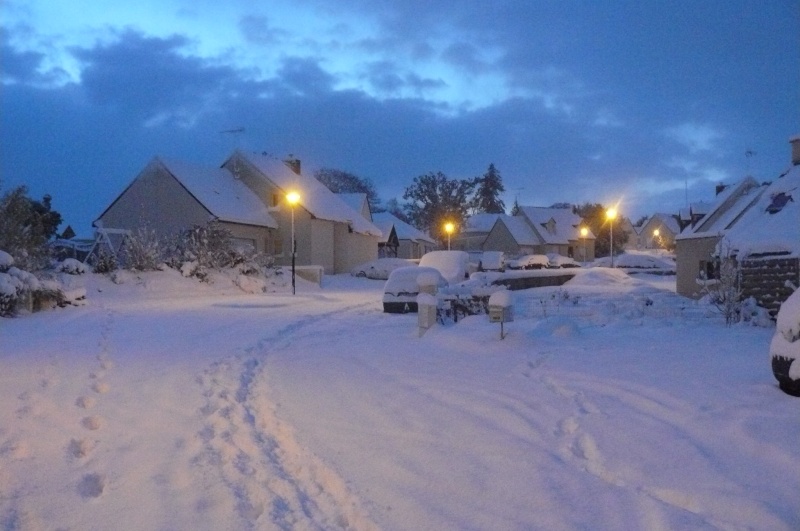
656 234
584 233
293 198
611 214
449 228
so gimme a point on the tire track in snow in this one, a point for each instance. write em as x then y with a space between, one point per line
662 409
274 479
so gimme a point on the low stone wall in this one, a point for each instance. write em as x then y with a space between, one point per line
534 281
769 280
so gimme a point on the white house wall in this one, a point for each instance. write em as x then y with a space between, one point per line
157 201
352 249
689 253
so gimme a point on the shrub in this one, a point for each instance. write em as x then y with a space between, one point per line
142 250
104 262
725 292
26 226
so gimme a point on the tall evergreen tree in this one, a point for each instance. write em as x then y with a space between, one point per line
487 196
434 200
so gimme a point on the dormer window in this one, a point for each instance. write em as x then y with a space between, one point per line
779 201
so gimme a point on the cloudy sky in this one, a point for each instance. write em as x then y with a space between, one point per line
643 102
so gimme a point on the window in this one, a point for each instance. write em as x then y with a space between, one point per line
779 201
277 245
276 200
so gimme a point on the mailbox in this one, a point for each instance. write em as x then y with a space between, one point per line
501 309
501 314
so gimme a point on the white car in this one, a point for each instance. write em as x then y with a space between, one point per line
529 261
381 268
453 265
559 261
402 287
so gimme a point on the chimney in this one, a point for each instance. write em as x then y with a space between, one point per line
293 163
720 188
795 142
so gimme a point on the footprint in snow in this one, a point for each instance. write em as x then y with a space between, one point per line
95 422
92 485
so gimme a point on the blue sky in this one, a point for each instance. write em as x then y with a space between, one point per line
644 103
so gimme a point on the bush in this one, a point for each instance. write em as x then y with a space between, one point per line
25 227
104 262
142 250
210 247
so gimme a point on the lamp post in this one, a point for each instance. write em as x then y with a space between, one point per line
293 198
611 214
584 233
656 234
449 228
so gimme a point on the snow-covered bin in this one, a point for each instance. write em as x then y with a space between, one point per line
785 347
501 309
426 312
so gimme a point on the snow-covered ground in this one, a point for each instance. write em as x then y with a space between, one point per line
612 403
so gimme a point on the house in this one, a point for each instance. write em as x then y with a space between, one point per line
168 197
658 232
534 230
696 245
471 236
408 242
247 196
765 241
328 232
693 213
511 235
559 231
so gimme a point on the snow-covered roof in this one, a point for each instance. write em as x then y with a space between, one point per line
480 222
220 193
356 201
520 230
664 220
729 204
314 196
699 208
772 223
567 224
385 221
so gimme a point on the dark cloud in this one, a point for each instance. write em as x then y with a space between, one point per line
653 104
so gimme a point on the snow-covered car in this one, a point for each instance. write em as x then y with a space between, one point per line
403 286
559 261
529 261
453 265
492 261
785 346
381 268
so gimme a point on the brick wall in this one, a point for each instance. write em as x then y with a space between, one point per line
765 279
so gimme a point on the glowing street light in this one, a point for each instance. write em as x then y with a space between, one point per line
293 198
584 233
449 228
656 234
611 214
